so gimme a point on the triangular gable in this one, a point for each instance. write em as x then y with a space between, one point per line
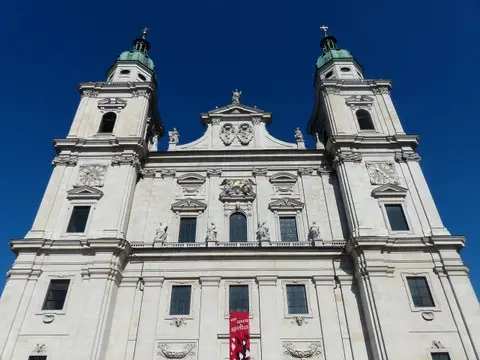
189 205
286 204
84 192
389 190
236 109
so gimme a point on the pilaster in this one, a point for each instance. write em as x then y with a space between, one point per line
325 288
209 321
269 317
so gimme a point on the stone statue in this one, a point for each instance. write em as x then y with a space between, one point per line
314 232
263 233
153 143
236 97
173 136
298 135
160 233
211 233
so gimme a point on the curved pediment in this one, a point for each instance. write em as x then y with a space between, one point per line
283 178
191 178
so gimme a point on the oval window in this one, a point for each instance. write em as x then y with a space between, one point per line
345 69
142 77
124 72
329 75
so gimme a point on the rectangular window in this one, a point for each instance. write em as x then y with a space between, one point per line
78 219
238 298
288 229
37 357
188 229
297 299
180 301
420 292
440 356
56 294
396 217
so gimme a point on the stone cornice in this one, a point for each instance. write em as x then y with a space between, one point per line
374 141
357 84
100 143
92 89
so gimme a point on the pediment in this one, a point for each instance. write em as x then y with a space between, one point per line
189 205
359 100
283 178
111 104
191 178
84 192
389 190
236 109
286 204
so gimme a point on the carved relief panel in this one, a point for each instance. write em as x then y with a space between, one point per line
191 185
382 173
302 350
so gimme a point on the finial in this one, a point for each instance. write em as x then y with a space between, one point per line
236 96
324 29
145 32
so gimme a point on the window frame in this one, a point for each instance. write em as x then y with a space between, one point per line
413 308
252 291
69 211
309 297
300 222
193 293
115 121
42 291
401 202
284 216
230 222
433 351
388 204
71 216
180 226
171 300
230 296
371 119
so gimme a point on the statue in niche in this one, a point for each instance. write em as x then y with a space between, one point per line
314 232
160 233
298 135
211 233
173 136
263 232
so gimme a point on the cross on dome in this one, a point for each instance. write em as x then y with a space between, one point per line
145 32
324 29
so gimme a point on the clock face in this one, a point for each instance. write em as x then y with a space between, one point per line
382 173
92 175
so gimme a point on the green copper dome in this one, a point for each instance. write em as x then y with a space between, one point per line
135 55
332 52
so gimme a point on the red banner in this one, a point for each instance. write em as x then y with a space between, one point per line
239 336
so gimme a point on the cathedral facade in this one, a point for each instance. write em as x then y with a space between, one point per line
335 252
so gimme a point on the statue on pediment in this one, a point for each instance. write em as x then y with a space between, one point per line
298 135
236 96
173 136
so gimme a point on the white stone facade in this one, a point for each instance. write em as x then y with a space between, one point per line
353 265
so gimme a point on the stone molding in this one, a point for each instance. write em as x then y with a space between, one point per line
84 192
89 93
314 350
381 90
126 159
260 172
213 281
214 172
148 173
168 173
306 171
341 158
164 350
408 156
389 190
114 104
189 204
267 280
286 204
65 160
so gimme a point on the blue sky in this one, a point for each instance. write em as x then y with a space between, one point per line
204 49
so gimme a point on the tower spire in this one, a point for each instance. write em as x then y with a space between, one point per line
141 44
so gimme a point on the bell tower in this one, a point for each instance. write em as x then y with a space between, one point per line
116 125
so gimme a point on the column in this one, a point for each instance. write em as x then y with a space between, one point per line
271 346
208 341
264 190
331 332
215 211
147 323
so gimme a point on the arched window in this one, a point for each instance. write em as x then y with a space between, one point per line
364 120
238 227
108 122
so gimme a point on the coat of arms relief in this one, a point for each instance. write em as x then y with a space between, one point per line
382 173
243 133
